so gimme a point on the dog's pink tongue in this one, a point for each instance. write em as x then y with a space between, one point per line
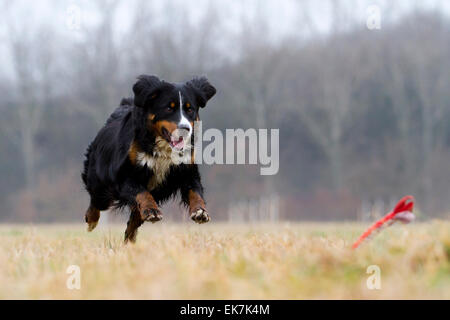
178 144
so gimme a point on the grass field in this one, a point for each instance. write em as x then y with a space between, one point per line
220 261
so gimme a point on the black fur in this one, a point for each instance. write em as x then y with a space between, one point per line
110 176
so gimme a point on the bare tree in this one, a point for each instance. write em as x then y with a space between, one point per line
96 63
176 47
32 67
432 78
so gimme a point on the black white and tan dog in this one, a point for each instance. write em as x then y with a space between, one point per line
129 163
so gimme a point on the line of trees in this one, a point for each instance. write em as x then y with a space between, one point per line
363 114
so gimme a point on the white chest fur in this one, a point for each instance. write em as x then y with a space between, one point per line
159 163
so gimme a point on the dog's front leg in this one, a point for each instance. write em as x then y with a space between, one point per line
197 207
192 195
147 207
143 208
141 200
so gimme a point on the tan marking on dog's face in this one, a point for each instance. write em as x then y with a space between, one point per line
172 104
168 125
151 117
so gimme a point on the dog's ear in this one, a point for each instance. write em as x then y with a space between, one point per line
146 88
203 90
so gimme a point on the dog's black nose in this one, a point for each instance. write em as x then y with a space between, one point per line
183 126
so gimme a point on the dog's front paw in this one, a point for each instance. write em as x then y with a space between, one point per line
153 215
200 215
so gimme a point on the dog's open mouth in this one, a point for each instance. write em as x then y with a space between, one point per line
177 140
177 143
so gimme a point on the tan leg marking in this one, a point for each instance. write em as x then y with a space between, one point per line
133 224
147 207
197 208
91 217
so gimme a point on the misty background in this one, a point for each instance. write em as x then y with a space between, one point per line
363 112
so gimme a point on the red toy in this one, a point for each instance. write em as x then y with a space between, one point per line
402 212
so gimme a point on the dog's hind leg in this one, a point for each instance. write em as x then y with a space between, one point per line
92 216
133 224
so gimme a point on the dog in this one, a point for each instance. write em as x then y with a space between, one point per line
130 162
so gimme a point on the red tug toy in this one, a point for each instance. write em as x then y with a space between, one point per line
402 212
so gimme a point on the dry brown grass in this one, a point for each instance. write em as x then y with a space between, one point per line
219 261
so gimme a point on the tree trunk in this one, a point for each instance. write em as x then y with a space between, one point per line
335 152
28 157
427 149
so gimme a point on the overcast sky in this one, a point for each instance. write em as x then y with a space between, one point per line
284 17
282 13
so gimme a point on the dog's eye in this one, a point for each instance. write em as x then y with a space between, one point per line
170 109
189 110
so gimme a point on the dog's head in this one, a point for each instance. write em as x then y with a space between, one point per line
169 109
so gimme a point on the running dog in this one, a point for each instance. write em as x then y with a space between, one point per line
130 163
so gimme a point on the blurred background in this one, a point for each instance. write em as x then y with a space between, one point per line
360 91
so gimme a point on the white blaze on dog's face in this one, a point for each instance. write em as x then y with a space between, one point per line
180 137
172 117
